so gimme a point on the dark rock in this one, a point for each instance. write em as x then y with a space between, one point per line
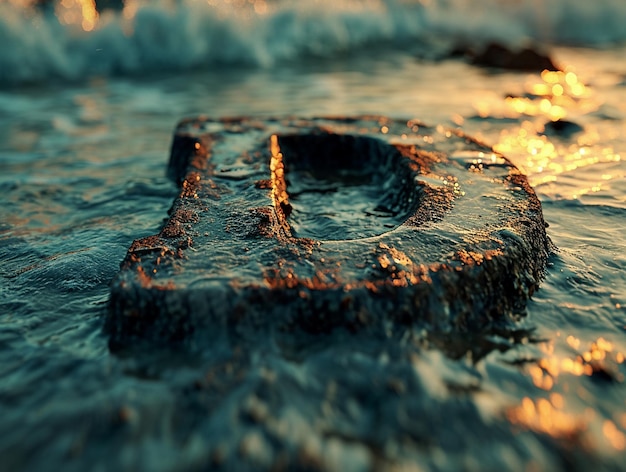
562 128
500 57
313 225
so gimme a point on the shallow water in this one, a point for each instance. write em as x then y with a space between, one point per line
83 175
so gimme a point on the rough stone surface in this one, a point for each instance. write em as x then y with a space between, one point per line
313 225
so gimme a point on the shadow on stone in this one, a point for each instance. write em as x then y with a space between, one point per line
343 187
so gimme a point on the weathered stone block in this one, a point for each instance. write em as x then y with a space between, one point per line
319 224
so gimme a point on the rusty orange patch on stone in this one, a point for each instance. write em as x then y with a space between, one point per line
190 185
286 278
147 282
421 160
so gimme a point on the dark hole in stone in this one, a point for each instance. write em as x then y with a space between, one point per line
346 187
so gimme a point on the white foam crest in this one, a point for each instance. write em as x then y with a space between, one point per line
159 36
152 35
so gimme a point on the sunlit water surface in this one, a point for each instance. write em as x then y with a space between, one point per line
83 175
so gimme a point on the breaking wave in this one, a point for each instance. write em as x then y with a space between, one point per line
72 40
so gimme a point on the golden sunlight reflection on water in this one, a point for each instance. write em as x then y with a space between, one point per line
78 12
552 415
557 99
553 138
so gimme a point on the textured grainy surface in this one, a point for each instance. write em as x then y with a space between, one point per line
265 239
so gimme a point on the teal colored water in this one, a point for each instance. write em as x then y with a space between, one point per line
82 174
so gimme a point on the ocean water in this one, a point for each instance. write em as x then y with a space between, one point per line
88 103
